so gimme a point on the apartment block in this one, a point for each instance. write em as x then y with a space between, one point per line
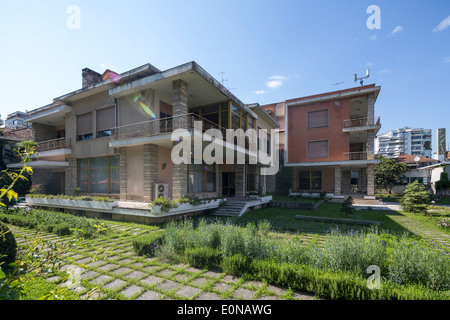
329 141
394 143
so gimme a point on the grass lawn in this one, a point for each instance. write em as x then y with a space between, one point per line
294 199
284 219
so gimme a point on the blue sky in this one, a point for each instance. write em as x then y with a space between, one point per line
267 51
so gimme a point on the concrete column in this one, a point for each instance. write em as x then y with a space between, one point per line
240 180
370 145
337 180
371 107
219 179
180 103
371 180
71 182
123 173
150 171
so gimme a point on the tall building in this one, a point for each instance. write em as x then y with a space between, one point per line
440 145
17 120
402 141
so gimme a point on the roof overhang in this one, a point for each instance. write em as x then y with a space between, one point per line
40 164
107 84
52 114
202 87
335 95
260 110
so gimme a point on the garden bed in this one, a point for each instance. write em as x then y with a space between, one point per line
90 205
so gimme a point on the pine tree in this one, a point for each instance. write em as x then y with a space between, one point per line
416 198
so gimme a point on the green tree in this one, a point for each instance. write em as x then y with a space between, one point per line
444 182
388 171
287 179
416 198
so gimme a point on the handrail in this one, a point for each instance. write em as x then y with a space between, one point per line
360 122
54 144
359 155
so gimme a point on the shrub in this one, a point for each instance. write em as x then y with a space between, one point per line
145 245
236 264
203 256
165 204
347 207
416 198
8 246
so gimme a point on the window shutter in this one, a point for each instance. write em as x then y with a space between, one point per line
84 124
318 119
105 119
318 149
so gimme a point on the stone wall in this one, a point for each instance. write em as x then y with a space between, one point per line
43 132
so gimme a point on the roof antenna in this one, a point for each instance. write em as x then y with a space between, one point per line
361 79
337 84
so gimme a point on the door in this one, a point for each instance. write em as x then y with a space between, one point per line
228 184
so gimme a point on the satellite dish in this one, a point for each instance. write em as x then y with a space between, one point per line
417 159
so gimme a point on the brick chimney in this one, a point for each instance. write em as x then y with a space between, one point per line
90 77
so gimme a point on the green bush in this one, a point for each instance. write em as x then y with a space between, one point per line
8 246
203 257
147 244
236 264
51 221
416 198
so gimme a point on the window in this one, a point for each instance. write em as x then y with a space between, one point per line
310 180
84 126
99 175
318 119
317 149
202 178
105 121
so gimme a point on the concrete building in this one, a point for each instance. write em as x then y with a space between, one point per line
113 137
17 120
441 152
394 143
329 141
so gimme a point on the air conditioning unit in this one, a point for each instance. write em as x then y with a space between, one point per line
161 190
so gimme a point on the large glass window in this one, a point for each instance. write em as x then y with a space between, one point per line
202 178
99 175
310 180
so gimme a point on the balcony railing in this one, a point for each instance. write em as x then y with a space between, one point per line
55 144
361 122
164 125
362 155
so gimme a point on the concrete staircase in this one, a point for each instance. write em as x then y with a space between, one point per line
233 208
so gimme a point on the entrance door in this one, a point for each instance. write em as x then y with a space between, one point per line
228 184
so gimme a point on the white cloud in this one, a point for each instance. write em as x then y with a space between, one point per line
444 24
373 38
369 64
260 92
384 71
447 60
275 82
396 30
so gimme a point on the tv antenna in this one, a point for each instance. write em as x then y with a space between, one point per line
361 80
222 81
337 84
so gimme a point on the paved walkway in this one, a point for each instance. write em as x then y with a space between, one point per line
113 267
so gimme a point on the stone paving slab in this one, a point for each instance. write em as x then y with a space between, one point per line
131 291
208 296
150 280
135 275
150 295
168 285
187 291
117 283
101 279
246 294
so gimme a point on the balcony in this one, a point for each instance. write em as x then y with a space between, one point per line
161 126
359 124
55 144
56 148
357 156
